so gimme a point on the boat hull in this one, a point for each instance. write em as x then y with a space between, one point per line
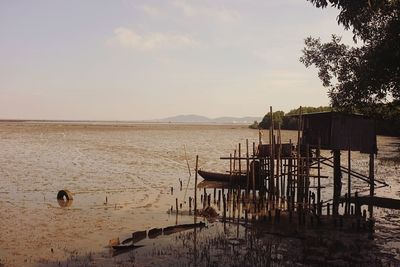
221 177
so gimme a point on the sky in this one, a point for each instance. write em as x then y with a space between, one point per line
142 60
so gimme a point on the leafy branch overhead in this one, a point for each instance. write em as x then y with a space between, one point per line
366 74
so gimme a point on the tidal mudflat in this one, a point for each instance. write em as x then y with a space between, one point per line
121 176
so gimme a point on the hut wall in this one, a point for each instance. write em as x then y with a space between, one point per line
338 131
355 132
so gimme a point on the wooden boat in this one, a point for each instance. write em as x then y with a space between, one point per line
221 177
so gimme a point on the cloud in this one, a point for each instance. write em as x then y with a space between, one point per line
151 11
221 14
129 38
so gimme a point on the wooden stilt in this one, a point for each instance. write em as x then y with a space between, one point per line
349 179
337 181
319 209
371 182
272 157
195 185
307 175
247 169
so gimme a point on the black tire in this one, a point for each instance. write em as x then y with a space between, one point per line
64 193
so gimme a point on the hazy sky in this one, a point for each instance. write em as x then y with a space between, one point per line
129 60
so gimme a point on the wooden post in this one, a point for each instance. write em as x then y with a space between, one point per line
299 170
372 182
230 169
234 168
299 126
298 159
319 210
349 179
238 189
258 171
215 194
224 206
253 174
289 191
307 176
337 181
357 206
278 163
195 185
272 156
247 169
176 205
204 198
240 162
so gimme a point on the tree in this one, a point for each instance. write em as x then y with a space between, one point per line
278 118
364 76
254 125
291 122
286 121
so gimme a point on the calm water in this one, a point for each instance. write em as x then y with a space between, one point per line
133 166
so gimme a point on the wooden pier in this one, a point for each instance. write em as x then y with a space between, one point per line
284 180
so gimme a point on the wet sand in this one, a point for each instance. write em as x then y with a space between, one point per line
133 166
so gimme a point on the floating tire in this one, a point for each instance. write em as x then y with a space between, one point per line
64 194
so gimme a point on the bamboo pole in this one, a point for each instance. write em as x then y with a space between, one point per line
319 210
240 168
234 168
187 162
307 176
298 159
278 163
230 169
289 193
372 184
247 169
254 174
272 156
337 183
195 185
299 178
349 179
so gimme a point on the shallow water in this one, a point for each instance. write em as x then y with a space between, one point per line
121 176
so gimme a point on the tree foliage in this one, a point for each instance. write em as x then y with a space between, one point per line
366 75
277 117
255 125
285 120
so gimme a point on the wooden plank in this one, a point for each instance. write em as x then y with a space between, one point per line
381 202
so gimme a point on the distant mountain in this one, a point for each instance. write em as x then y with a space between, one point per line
202 119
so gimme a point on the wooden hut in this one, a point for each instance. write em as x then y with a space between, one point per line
338 131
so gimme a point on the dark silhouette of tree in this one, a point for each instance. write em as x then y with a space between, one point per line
266 121
286 121
365 76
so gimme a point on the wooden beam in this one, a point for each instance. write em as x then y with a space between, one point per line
382 202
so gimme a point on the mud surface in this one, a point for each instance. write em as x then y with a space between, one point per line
121 176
